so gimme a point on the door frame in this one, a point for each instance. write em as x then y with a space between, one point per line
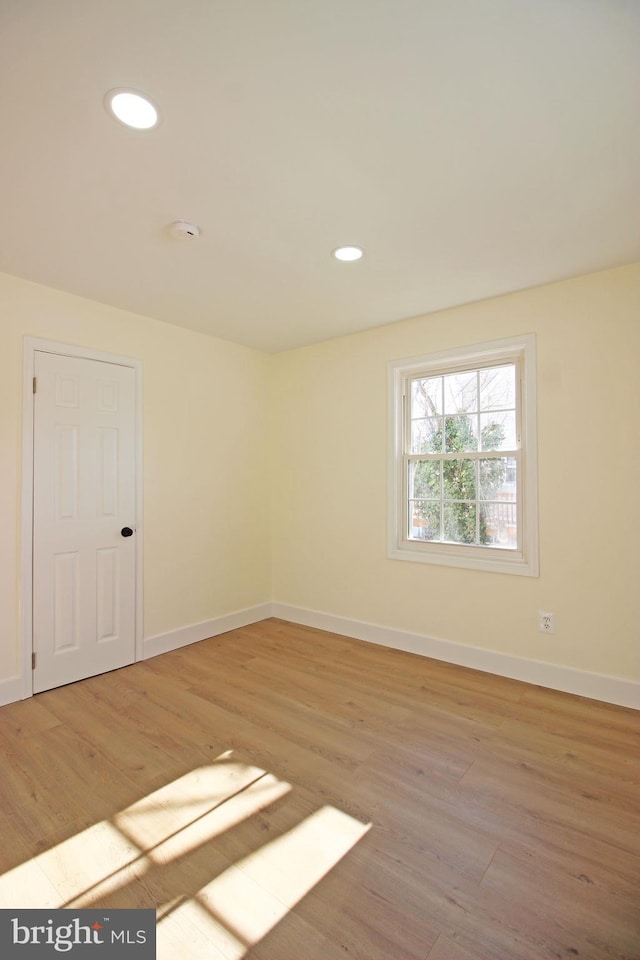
33 345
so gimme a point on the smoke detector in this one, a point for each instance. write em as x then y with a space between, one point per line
183 230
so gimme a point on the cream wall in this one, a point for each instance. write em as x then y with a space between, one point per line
206 539
330 481
214 543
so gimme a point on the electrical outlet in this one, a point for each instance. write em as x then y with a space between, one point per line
546 622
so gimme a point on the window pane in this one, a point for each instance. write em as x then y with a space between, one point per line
461 392
424 520
498 388
499 525
459 479
460 434
497 479
498 430
426 435
459 520
426 397
424 479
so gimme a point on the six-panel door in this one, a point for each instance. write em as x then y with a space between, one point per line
84 495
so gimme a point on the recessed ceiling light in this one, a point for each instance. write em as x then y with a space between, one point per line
132 108
348 254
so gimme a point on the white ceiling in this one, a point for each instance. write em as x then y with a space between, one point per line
473 147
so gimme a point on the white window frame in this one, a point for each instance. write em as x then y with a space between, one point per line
524 560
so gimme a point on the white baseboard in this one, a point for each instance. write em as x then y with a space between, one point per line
616 690
164 642
625 693
11 690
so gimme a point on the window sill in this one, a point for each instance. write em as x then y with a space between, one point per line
492 559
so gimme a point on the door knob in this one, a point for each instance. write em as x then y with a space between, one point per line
126 532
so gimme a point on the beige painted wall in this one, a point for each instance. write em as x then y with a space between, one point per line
330 481
206 541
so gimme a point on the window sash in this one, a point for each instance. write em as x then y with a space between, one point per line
408 500
432 372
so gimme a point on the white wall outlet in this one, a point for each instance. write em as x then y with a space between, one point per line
546 622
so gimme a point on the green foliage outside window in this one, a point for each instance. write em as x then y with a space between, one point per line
464 483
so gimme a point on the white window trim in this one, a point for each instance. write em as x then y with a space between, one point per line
523 561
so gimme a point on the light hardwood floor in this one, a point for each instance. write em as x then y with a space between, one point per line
281 793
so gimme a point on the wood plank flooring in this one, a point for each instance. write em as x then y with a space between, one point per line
281 793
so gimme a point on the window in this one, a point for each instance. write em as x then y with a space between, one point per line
463 462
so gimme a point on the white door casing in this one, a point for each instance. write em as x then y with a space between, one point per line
86 582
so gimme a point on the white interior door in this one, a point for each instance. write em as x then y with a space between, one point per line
84 559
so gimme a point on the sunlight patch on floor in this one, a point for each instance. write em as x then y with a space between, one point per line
240 906
293 863
161 827
27 886
170 823
95 860
214 899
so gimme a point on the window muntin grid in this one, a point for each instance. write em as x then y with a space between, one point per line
462 460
